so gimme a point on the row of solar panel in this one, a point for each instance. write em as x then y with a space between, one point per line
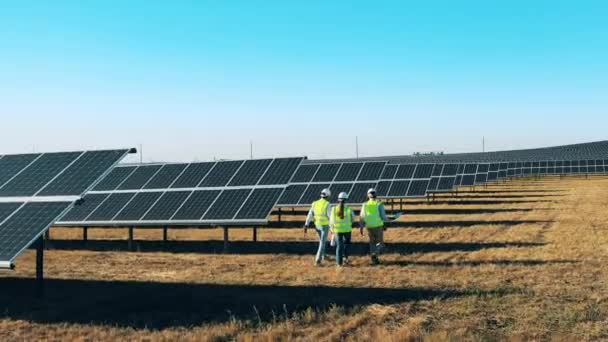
53 174
242 204
235 173
410 180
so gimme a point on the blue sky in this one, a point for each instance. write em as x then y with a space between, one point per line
194 80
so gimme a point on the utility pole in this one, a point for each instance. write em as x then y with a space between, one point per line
141 153
483 144
251 148
357 146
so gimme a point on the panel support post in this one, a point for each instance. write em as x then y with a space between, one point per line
226 238
85 233
165 234
255 234
401 204
40 267
47 237
130 241
280 214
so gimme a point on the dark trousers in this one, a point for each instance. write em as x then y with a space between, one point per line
342 242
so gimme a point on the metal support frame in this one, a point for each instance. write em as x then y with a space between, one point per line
255 233
85 233
130 240
40 267
226 239
280 214
165 238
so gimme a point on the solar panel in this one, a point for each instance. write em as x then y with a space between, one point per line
399 188
76 178
221 174
371 171
110 207
37 175
166 206
195 207
25 225
348 172
423 171
251 172
446 183
326 173
227 204
405 171
137 207
292 194
280 171
139 177
389 172
259 204
305 173
39 188
433 183
85 207
11 165
115 178
192 175
166 176
382 188
417 188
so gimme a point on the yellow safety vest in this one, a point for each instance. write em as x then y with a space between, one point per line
319 209
372 214
344 225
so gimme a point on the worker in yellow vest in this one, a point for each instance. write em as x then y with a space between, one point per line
341 223
373 217
319 213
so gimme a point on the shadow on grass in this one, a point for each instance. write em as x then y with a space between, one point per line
153 305
508 191
466 211
481 196
477 202
474 263
456 211
276 247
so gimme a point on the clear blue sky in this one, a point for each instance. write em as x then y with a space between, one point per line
200 79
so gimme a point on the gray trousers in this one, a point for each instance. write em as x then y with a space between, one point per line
322 232
376 240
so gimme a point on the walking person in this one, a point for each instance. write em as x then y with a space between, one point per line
341 223
373 217
319 213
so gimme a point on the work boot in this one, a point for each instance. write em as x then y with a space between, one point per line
375 260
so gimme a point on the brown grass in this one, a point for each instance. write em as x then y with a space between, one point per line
536 271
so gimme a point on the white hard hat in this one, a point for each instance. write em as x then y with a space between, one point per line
343 196
325 193
371 191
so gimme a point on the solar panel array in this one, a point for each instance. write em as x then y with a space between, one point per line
208 193
36 189
393 179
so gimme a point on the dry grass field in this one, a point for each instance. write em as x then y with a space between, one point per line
519 260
